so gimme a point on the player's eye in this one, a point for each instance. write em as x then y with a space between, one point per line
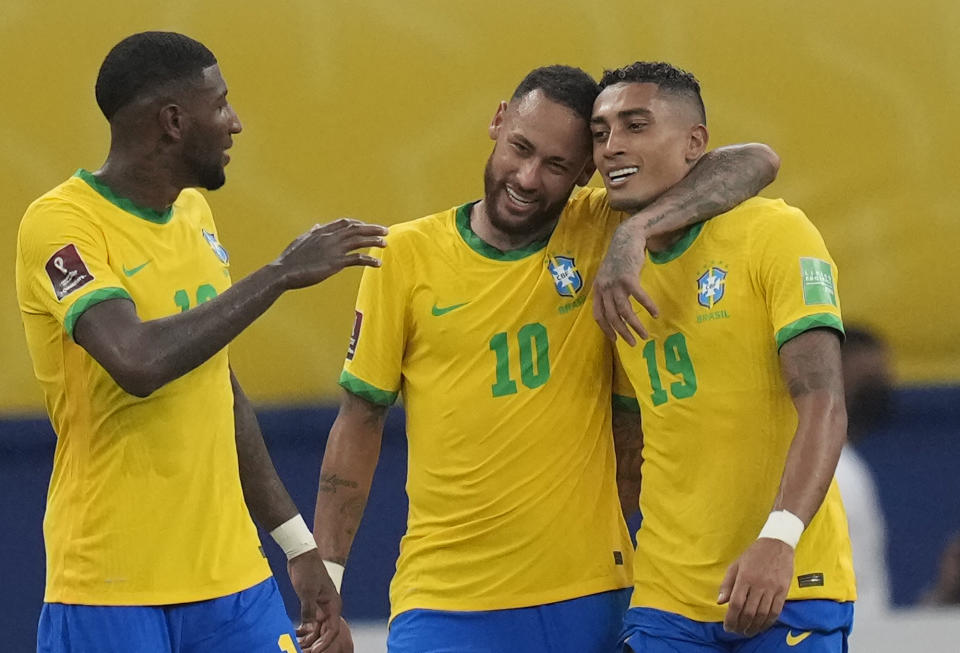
637 125
600 135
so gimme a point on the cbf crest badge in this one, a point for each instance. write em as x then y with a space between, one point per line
711 286
566 276
215 245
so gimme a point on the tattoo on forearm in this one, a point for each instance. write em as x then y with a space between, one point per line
352 511
330 482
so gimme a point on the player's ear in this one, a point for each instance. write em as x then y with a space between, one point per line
697 143
171 120
494 128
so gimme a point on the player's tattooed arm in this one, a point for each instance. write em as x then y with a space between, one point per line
628 447
349 461
144 356
720 180
811 367
756 584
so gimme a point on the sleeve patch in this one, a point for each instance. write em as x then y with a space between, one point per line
355 336
67 271
818 285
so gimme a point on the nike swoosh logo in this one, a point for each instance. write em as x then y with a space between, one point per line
133 271
437 311
793 640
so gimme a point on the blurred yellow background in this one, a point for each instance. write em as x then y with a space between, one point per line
378 110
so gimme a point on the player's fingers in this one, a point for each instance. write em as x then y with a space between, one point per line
645 300
336 225
600 317
363 242
307 635
726 586
360 259
738 600
626 313
749 612
612 313
761 615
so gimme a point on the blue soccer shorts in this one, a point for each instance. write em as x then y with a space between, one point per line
814 626
253 621
589 624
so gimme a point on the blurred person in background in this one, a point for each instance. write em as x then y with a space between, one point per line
867 381
946 590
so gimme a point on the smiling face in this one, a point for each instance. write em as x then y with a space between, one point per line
644 141
210 124
542 151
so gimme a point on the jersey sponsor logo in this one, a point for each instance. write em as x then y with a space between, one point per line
793 640
566 276
437 311
215 245
129 272
818 286
711 286
67 271
355 336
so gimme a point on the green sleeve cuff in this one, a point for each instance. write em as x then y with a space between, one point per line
629 404
88 300
817 321
361 388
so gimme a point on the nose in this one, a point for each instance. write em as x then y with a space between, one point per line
235 125
614 144
527 174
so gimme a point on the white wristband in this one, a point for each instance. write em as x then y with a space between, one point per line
783 525
294 537
336 573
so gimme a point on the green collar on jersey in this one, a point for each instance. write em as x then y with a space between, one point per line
485 249
158 217
678 247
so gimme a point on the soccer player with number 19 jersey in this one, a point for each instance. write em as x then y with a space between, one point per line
480 318
741 397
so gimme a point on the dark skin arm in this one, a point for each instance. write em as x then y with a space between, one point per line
756 584
628 446
271 505
144 356
720 180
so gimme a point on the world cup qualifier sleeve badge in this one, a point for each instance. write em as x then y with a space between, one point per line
215 245
566 276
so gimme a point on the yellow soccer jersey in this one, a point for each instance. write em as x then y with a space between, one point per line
507 384
144 505
717 417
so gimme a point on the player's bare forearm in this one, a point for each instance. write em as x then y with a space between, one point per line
349 461
810 364
628 447
721 179
144 356
263 491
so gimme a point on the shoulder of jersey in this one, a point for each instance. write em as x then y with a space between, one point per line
422 231
72 192
758 212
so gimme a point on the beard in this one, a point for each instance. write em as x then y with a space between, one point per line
535 223
211 177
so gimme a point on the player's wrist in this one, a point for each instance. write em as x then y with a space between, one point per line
783 525
294 537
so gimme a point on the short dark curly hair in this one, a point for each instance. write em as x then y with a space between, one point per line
572 87
668 77
145 61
